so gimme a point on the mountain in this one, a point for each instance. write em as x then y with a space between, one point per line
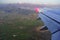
23 8
15 8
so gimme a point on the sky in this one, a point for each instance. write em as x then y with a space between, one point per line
32 1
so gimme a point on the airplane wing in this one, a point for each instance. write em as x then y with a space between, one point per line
51 19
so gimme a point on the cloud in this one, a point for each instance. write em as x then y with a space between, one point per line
32 1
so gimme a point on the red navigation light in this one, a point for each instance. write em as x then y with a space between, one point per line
37 10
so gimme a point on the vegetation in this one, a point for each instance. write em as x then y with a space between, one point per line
16 24
17 27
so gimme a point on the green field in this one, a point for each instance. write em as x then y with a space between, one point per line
17 26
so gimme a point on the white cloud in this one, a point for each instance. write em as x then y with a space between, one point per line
31 1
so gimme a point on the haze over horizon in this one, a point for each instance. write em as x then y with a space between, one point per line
31 1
